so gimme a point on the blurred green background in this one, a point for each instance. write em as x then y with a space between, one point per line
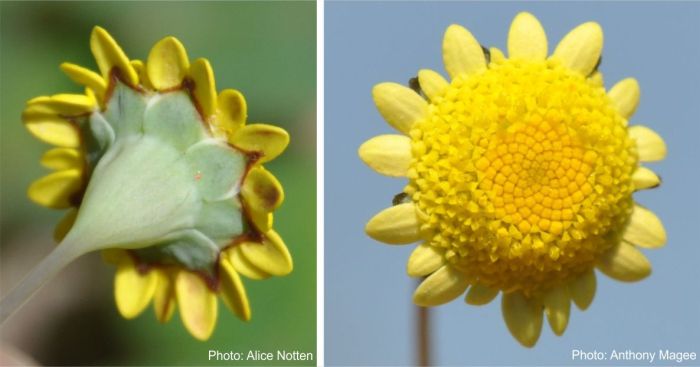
267 50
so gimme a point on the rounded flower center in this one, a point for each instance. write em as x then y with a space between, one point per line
523 174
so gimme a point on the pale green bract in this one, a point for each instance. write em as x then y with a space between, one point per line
157 162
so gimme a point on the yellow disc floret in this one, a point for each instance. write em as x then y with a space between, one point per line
523 172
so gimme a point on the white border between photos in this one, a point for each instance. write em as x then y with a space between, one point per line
319 186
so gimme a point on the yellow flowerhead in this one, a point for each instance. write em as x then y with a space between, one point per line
521 173
163 173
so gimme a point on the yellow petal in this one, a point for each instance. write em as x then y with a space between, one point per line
261 220
480 294
85 77
233 292
650 146
233 109
63 158
261 190
625 263
596 79
645 229
167 64
497 55
397 225
267 140
243 266
526 38
431 83
53 130
140 69
204 86
582 289
557 306
59 104
57 189
133 291
424 260
580 49
65 224
271 256
109 55
461 52
625 96
400 106
442 286
644 178
164 297
198 307
523 317
387 154
91 95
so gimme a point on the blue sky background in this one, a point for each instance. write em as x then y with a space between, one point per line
369 314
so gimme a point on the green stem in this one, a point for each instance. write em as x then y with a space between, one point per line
51 265
423 335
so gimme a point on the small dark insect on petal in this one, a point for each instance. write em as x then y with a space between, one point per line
487 54
597 65
414 84
401 198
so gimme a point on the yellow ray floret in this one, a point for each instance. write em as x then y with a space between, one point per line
432 83
645 178
650 146
625 96
53 130
60 104
109 56
581 48
523 317
387 154
557 306
167 64
424 260
480 294
645 229
262 194
396 225
582 289
271 255
243 266
267 140
401 107
57 189
461 52
198 306
232 291
526 38
86 77
205 87
625 263
164 300
63 158
133 291
442 286
262 190
233 111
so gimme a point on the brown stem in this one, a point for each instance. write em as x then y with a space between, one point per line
423 335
